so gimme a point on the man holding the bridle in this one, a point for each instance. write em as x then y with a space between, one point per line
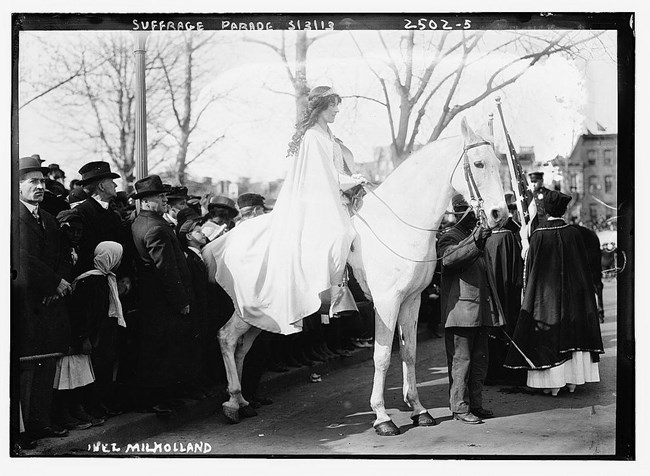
470 307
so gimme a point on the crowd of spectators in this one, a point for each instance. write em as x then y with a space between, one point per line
115 312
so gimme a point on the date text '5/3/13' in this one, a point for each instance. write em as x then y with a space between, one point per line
437 24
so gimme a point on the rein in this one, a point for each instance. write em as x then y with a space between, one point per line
475 194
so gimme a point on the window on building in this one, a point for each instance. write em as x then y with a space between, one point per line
591 157
574 182
607 156
593 183
609 183
593 212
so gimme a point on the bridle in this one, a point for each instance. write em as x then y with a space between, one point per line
476 201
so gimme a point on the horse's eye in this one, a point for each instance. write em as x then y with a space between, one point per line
479 164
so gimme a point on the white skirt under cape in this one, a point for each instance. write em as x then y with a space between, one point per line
578 370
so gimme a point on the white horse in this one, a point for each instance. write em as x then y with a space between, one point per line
393 259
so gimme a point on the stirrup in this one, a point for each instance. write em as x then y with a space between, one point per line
341 298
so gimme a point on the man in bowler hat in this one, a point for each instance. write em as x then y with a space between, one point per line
42 323
165 294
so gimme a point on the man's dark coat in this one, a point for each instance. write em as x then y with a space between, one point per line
42 329
99 225
467 291
165 288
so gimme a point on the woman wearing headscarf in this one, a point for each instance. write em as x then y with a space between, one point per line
278 266
96 316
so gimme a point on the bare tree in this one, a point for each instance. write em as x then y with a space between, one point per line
436 68
88 90
187 72
296 70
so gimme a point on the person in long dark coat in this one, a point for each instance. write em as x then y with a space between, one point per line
42 322
558 329
503 252
470 308
192 239
165 295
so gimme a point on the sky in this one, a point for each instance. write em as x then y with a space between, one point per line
547 108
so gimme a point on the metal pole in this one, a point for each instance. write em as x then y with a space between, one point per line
141 166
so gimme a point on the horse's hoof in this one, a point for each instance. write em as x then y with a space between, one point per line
231 414
247 412
387 428
423 419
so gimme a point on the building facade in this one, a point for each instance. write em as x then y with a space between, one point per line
590 177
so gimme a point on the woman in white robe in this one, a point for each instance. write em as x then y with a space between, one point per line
278 266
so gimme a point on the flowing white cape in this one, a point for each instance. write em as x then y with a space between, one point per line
275 266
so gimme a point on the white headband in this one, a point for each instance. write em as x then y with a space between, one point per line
327 92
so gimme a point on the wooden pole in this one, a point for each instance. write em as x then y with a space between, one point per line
491 128
141 166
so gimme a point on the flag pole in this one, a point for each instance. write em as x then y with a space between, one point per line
515 184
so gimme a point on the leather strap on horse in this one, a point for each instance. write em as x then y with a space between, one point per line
471 185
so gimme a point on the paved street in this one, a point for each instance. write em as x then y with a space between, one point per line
333 417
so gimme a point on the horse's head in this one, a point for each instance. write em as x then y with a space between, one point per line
476 175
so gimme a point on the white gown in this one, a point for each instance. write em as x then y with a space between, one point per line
275 266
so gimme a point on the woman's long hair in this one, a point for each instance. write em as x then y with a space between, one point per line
317 101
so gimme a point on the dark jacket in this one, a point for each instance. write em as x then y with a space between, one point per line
164 289
503 251
161 260
594 254
99 225
541 212
42 329
467 298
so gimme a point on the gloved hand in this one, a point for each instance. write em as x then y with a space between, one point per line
481 234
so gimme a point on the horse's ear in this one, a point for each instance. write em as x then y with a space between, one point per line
468 133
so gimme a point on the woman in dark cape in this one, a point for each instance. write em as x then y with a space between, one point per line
558 329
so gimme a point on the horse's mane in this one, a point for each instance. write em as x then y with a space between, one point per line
429 152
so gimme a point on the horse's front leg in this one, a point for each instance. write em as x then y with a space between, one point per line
408 322
229 336
385 320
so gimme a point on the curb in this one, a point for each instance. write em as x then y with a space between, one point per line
134 427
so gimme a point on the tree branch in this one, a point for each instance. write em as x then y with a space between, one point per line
204 149
365 97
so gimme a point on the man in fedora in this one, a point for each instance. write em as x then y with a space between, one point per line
165 293
176 201
100 222
42 324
